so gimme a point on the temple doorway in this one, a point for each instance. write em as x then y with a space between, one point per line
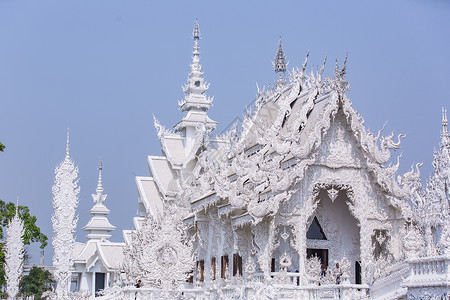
333 232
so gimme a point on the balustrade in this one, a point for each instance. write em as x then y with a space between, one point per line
248 289
429 271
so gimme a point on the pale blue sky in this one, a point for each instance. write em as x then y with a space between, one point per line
104 67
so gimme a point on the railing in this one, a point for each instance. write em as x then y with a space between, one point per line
239 289
429 271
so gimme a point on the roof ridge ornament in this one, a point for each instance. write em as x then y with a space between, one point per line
339 82
280 64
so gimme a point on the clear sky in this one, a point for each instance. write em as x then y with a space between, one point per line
104 67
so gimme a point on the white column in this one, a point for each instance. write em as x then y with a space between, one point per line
107 285
93 284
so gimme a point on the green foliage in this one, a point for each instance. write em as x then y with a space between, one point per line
32 233
2 147
35 283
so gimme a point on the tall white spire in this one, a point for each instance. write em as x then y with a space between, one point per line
65 202
99 226
195 101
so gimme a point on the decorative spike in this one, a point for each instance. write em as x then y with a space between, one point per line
323 66
336 69
67 142
306 62
344 67
444 120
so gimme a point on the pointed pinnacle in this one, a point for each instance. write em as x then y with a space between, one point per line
17 205
67 142
196 33
444 119
99 189
305 63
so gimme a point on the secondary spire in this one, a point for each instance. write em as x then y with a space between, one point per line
280 64
99 227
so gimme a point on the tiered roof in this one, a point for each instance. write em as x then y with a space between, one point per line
99 226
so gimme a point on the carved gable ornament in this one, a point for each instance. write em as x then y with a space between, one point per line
159 254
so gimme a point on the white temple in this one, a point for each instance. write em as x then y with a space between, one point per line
268 210
97 262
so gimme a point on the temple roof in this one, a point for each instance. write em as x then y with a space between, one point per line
283 137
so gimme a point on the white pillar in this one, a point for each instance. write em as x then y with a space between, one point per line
107 283
93 284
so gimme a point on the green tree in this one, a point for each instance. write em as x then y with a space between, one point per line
35 283
2 147
32 233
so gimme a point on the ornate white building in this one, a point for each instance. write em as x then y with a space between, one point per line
267 210
97 263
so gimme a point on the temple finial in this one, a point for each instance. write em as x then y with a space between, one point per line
99 189
444 120
67 142
280 63
17 205
195 98
196 33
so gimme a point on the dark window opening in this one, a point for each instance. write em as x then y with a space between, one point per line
99 282
197 83
223 266
201 270
272 265
358 272
315 231
237 264
213 267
